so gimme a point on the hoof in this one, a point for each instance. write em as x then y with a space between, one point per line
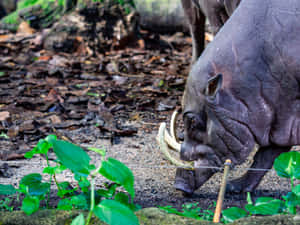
239 186
234 187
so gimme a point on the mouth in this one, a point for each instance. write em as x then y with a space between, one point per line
190 174
168 141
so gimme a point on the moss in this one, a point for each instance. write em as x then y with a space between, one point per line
12 18
147 216
48 7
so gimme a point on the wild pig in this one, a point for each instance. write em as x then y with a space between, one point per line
244 90
216 11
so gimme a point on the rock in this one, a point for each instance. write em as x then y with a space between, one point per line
267 220
154 216
161 15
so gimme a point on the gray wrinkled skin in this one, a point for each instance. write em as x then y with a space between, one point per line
244 89
216 11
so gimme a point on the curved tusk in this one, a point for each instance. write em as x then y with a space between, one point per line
165 149
171 141
173 125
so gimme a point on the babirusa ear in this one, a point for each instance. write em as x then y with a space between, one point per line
213 85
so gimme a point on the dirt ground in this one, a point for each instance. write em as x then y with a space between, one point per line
154 176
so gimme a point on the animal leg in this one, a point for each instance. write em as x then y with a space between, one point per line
196 20
263 159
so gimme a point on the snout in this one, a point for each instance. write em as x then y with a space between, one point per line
189 181
189 175
192 151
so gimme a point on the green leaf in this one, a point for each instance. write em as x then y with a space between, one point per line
233 213
296 190
30 154
31 178
92 94
288 165
51 138
83 183
79 202
3 135
249 200
30 204
53 169
265 206
79 220
72 156
42 147
101 152
122 198
113 213
7 189
65 189
117 172
291 201
32 184
170 209
38 189
110 192
65 204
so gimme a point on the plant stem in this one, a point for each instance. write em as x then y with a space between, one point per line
54 177
292 183
50 181
48 195
93 175
92 201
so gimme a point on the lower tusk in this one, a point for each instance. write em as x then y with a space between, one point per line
171 141
173 125
165 149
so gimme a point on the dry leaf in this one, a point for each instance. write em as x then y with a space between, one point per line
4 115
25 28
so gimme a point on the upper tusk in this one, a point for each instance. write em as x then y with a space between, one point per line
173 125
165 149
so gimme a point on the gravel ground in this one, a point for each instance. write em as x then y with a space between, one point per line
154 176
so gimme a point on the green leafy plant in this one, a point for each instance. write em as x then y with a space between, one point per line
286 165
3 135
192 210
108 204
5 205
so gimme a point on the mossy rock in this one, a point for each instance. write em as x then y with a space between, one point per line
147 216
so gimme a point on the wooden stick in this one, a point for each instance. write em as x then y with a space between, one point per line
222 192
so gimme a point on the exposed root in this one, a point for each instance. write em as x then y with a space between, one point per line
165 149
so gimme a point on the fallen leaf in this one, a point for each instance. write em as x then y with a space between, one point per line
208 37
4 115
24 28
45 58
55 119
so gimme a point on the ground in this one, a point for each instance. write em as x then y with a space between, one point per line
115 100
